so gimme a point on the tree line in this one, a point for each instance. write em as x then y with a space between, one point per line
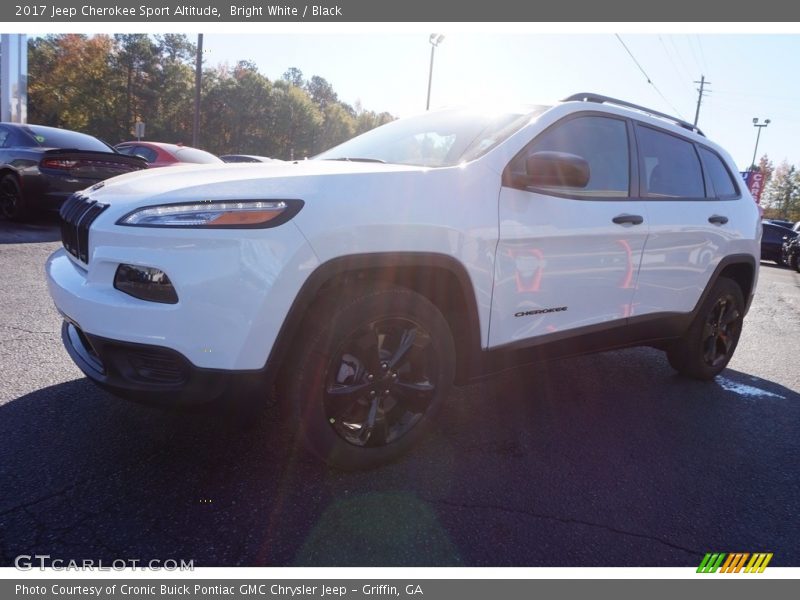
102 85
781 197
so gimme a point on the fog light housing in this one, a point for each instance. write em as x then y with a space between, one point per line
145 283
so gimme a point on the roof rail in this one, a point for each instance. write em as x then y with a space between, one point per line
590 97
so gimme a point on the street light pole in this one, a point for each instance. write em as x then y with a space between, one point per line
435 40
760 126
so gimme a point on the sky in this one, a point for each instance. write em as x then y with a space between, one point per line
751 75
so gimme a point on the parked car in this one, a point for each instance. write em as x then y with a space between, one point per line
159 154
364 281
247 158
41 166
772 241
790 252
781 222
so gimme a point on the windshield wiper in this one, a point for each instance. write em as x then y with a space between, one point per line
358 159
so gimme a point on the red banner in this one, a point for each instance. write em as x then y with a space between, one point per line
755 183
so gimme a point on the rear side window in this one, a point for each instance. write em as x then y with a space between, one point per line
670 166
11 138
148 154
50 137
601 141
720 177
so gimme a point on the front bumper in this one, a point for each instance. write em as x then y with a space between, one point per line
152 374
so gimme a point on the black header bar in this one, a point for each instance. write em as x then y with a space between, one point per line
347 11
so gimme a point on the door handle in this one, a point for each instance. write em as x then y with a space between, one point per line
718 219
628 219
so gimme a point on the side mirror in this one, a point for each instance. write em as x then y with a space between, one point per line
547 169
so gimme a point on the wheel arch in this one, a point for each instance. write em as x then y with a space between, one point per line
742 269
9 170
439 277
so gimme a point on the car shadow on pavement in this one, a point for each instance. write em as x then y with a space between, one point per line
45 228
603 460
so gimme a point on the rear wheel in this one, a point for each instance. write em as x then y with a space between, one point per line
12 204
711 340
371 375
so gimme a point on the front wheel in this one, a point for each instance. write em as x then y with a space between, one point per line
12 203
712 337
371 374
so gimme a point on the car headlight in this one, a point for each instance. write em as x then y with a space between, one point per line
228 214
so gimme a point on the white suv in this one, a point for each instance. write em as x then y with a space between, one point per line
432 250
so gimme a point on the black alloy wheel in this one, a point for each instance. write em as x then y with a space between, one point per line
371 369
11 201
722 329
709 343
381 382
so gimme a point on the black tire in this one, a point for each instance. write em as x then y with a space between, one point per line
12 203
369 375
712 338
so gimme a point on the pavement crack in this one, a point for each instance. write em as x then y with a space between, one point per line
568 521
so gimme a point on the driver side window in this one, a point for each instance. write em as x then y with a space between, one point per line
601 141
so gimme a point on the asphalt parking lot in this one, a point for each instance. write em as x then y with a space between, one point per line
604 460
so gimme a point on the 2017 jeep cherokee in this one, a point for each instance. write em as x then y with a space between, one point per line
425 252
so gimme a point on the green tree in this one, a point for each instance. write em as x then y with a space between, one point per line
783 192
295 122
136 62
171 118
321 92
338 125
238 110
294 76
68 83
102 85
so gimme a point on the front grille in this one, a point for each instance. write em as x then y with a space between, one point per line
77 214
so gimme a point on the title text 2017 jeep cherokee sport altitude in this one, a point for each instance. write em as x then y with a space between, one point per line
427 251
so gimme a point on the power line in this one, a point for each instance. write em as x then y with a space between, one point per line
702 53
634 59
694 54
672 61
686 71
647 77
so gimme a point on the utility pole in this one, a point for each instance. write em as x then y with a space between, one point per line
198 75
703 83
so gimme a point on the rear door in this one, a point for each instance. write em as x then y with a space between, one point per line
695 210
567 257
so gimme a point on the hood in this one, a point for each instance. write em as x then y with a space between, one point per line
229 181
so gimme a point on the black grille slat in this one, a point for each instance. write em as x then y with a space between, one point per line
161 368
77 215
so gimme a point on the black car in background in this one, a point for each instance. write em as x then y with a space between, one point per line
781 222
790 254
772 241
41 166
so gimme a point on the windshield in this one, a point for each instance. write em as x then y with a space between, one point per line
436 139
